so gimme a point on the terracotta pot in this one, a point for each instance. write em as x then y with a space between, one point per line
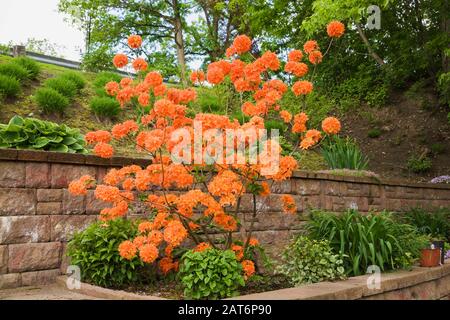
430 257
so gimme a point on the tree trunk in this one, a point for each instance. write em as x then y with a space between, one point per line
179 42
369 47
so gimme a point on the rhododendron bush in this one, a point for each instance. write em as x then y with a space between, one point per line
193 193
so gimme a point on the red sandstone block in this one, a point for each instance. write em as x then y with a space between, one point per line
355 189
282 187
3 259
33 256
49 208
63 227
39 278
32 155
63 174
10 280
61 157
49 195
17 202
306 187
21 229
332 188
311 202
93 205
37 175
73 204
101 172
8 154
12 174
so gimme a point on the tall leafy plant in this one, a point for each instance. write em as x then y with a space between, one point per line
343 153
364 240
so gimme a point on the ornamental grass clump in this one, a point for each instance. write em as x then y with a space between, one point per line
210 179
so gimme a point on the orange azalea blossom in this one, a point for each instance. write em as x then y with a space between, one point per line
175 233
120 60
126 82
103 150
331 125
265 189
299 69
242 44
249 268
112 88
287 165
289 204
295 56
127 250
302 88
155 237
314 134
310 46
300 123
148 253
238 251
197 76
315 57
79 187
144 99
215 75
98 136
166 264
139 241
134 41
153 79
123 129
335 29
286 116
139 64
253 242
202 246
145 227
307 143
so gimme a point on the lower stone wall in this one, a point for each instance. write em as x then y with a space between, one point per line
38 215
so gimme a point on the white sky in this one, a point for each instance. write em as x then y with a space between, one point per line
39 19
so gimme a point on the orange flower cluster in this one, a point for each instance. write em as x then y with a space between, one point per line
289 205
249 268
80 186
335 29
134 41
120 60
197 77
202 246
241 45
331 125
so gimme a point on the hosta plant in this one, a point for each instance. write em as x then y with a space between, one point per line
30 133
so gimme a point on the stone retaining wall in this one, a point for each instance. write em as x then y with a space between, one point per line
38 215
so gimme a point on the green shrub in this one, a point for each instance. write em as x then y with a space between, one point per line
448 118
310 261
419 164
210 102
9 86
64 86
50 100
436 223
444 88
342 153
210 274
377 96
30 65
37 134
14 70
374 133
104 77
276 125
105 106
95 252
364 240
75 77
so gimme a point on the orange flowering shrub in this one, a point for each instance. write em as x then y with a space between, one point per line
186 155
